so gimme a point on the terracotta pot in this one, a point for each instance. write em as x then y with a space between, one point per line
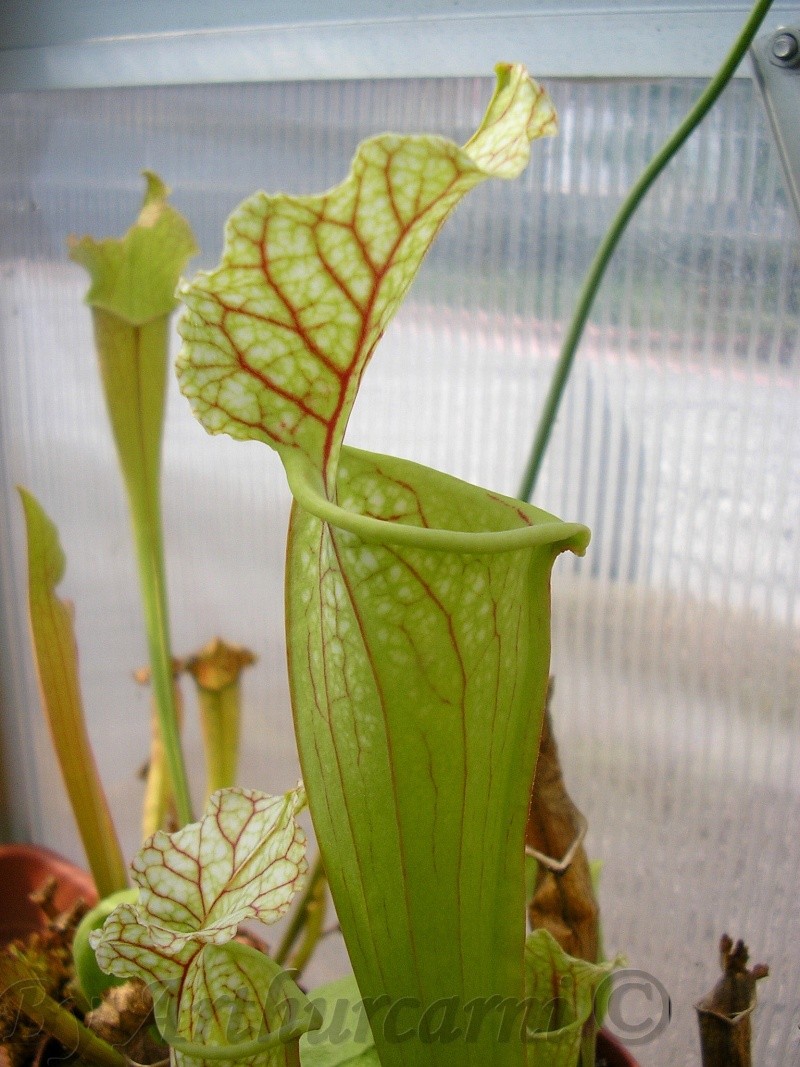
23 870
610 1053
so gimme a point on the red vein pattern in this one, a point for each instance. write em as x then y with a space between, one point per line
233 994
276 339
418 680
245 859
418 675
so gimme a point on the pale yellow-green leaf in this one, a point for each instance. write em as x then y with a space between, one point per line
134 277
234 996
133 280
275 340
417 606
245 859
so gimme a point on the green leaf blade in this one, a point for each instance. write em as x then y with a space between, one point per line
417 606
344 1037
92 981
418 677
56 657
277 338
132 295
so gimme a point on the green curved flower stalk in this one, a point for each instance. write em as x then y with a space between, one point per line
613 235
417 605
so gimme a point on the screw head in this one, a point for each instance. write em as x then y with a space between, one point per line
785 47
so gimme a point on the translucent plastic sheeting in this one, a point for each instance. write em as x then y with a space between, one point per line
676 651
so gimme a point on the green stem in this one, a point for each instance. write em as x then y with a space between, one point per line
220 714
217 670
609 243
20 983
158 802
147 534
312 930
156 793
300 916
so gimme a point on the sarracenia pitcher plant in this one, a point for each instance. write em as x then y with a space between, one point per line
417 605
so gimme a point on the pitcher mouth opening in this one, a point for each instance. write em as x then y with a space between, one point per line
538 530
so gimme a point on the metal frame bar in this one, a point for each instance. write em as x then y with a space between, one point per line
776 61
58 44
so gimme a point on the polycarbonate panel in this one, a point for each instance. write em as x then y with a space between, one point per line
676 651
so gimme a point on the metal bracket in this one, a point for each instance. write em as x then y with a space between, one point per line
776 63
